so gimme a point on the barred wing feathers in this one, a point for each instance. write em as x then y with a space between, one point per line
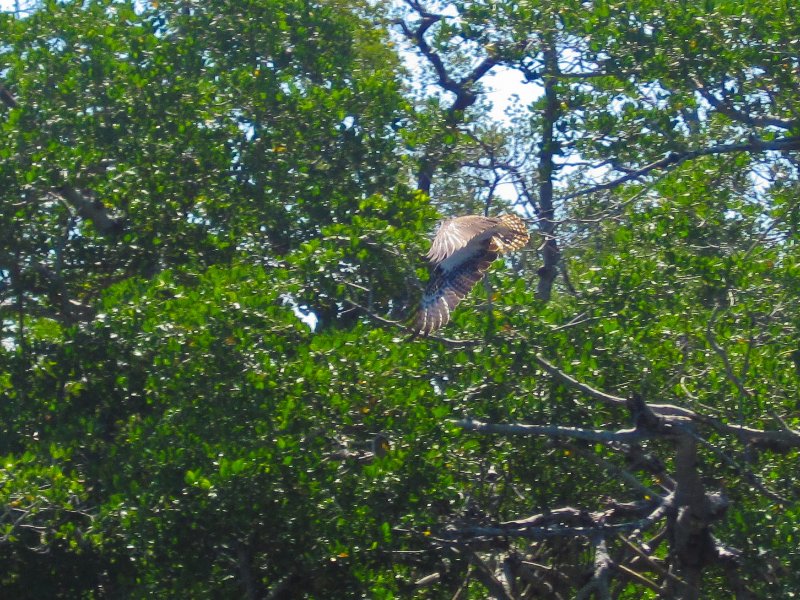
461 252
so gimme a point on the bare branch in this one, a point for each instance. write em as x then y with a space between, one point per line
574 383
784 438
428 580
673 159
549 525
463 88
748 475
736 115
590 435
602 571
615 470
712 341
646 558
487 578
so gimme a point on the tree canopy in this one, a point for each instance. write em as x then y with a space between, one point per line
213 222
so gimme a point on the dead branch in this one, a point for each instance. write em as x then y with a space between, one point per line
589 435
550 525
602 572
735 114
674 159
781 439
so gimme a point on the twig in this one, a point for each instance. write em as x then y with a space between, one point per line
428 580
572 382
645 581
647 558
749 476
724 356
625 475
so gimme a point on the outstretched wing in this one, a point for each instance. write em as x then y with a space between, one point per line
455 234
446 289
461 252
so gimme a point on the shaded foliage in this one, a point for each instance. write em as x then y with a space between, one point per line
212 227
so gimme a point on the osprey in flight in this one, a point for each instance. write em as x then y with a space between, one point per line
460 254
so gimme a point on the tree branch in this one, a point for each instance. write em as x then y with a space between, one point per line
575 384
7 97
550 525
676 415
691 533
602 571
615 470
589 435
549 146
674 159
463 89
487 578
736 115
712 341
91 210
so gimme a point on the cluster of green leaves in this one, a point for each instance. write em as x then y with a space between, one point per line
171 427
192 418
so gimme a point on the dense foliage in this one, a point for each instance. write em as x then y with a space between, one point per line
211 228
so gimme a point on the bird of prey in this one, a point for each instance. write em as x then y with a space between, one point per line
460 254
